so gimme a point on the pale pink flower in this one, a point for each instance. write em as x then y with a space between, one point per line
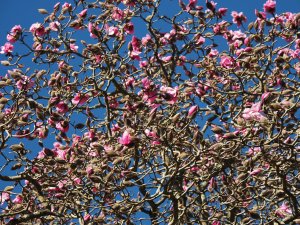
80 99
54 25
14 34
222 12
213 53
192 111
18 199
61 154
89 170
78 181
56 6
200 40
37 29
254 113
117 14
93 29
169 94
24 83
227 62
126 138
238 18
4 197
143 64
270 6
146 39
284 210
67 6
73 47
63 126
83 13
256 171
112 31
7 48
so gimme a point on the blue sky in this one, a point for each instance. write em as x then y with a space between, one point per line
25 12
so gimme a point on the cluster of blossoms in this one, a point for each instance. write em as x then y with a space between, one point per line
161 126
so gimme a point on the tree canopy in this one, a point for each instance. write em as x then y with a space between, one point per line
115 112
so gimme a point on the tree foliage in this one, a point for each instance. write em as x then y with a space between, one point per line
115 112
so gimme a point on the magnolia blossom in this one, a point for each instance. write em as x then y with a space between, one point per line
80 99
37 29
14 33
238 18
93 29
54 25
126 138
270 6
227 62
117 14
284 210
192 111
73 47
63 126
62 107
24 83
18 199
7 48
255 113
129 28
83 13
169 94
4 197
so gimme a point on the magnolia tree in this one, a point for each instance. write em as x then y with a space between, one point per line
113 112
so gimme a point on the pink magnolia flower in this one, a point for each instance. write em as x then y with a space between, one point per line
270 6
117 14
77 181
73 47
63 126
227 62
87 217
37 29
192 111
169 94
93 29
143 64
14 34
24 83
213 53
18 199
62 107
238 18
80 99
221 12
56 6
4 197
67 6
126 138
7 48
284 210
256 171
146 39
83 13
54 25
200 40
255 113
89 170
112 31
